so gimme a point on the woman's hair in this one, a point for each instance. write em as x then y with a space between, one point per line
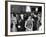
14 14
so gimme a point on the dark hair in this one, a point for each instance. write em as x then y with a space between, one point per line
14 14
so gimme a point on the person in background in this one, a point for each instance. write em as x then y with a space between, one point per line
13 22
20 24
34 19
39 21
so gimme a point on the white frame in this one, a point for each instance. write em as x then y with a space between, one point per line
31 4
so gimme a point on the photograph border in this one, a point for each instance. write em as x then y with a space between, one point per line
6 18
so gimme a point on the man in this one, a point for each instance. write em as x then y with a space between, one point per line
20 24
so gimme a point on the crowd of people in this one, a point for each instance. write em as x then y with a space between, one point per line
23 22
26 21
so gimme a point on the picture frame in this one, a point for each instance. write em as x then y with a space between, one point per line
8 7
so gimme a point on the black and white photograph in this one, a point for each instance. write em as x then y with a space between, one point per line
25 18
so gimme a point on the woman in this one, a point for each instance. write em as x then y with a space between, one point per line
29 24
13 23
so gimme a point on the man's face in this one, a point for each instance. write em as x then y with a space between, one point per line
22 16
